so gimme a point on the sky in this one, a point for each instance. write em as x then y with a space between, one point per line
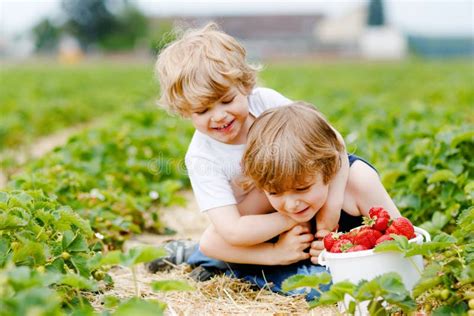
428 17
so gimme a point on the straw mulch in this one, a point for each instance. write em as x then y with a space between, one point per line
222 295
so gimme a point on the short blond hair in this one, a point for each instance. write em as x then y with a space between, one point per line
200 67
287 146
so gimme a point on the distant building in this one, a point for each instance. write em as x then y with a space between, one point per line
437 46
265 36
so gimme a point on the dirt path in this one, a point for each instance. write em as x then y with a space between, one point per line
219 296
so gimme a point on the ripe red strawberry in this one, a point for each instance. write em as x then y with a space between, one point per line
329 240
349 235
367 237
377 223
379 219
341 245
357 248
383 238
378 211
401 226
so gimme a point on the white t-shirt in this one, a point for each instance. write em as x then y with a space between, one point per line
213 165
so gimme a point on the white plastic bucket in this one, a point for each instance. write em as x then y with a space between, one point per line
367 264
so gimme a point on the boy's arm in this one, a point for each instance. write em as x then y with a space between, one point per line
247 230
288 249
366 187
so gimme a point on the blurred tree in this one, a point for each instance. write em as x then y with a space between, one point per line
376 15
88 20
161 34
109 24
46 36
131 26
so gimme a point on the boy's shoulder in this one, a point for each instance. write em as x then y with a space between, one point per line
261 99
204 147
267 94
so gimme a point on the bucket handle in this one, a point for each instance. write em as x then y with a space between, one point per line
321 260
423 233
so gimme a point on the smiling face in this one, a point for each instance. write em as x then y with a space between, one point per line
303 202
227 120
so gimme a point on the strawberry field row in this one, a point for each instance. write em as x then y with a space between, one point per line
63 211
42 99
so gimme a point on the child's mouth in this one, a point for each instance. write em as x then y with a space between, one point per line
302 211
226 127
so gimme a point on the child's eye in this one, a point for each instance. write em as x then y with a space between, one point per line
229 100
303 189
200 112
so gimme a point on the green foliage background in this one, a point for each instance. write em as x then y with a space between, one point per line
413 120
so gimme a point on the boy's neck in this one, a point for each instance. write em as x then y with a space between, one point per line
245 130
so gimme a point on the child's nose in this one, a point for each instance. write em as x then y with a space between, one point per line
291 204
219 116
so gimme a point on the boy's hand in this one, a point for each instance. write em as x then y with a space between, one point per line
291 245
318 245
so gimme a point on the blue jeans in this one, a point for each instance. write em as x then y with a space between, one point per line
271 277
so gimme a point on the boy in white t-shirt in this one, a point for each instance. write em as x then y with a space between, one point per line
204 77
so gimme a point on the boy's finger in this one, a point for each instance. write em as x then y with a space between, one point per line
305 256
322 233
317 245
314 252
307 237
314 260
297 230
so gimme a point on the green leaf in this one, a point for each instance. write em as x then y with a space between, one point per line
441 176
111 258
81 264
31 253
467 274
3 197
171 285
110 301
398 244
136 306
469 190
444 238
68 237
337 292
462 137
78 244
78 282
9 221
459 309
312 281
429 279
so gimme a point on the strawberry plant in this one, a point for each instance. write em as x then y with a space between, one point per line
381 295
116 176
